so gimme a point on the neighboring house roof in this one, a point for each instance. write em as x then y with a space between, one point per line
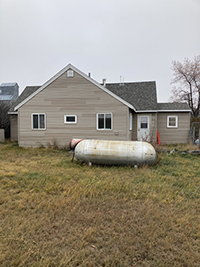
8 84
173 107
6 97
26 93
141 95
9 92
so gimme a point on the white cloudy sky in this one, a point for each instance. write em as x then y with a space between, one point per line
135 39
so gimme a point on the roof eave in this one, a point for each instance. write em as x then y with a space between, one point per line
13 113
146 111
175 110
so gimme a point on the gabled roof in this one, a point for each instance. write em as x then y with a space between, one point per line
175 106
141 95
70 66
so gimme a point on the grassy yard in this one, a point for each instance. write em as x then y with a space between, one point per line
57 213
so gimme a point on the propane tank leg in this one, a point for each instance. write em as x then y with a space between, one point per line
73 156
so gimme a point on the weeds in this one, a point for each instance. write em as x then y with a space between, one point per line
58 213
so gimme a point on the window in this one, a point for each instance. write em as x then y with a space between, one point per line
71 119
104 121
130 121
172 121
144 122
38 121
70 73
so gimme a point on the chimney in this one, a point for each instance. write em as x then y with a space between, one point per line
104 82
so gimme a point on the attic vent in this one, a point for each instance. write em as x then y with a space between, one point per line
70 73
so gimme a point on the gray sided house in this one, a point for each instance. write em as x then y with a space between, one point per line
9 92
73 105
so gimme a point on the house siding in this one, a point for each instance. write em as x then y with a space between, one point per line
153 128
134 131
71 96
14 127
174 135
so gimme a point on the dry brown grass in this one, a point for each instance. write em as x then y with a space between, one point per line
57 213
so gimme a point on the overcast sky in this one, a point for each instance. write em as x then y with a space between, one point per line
135 39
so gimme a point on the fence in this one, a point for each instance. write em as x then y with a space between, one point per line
195 133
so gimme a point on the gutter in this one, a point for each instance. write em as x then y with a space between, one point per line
13 113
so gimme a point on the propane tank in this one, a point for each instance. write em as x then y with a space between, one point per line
113 152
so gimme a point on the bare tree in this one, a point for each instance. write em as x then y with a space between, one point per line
187 76
4 117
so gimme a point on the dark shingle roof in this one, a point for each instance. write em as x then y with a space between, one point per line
141 95
173 106
26 93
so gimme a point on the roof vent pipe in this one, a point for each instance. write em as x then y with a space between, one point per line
121 80
89 74
104 82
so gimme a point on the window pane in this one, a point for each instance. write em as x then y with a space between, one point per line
172 121
100 121
144 122
42 121
108 121
70 119
35 121
144 125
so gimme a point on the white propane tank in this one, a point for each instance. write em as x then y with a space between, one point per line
114 152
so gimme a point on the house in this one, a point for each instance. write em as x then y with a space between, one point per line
9 92
8 95
73 105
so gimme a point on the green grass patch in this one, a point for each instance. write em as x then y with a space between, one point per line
57 213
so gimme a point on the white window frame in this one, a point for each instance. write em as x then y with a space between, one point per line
130 121
70 73
40 129
168 117
70 122
97 119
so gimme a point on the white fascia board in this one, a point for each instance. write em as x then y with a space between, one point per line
171 110
102 87
175 110
44 86
70 66
13 113
146 111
